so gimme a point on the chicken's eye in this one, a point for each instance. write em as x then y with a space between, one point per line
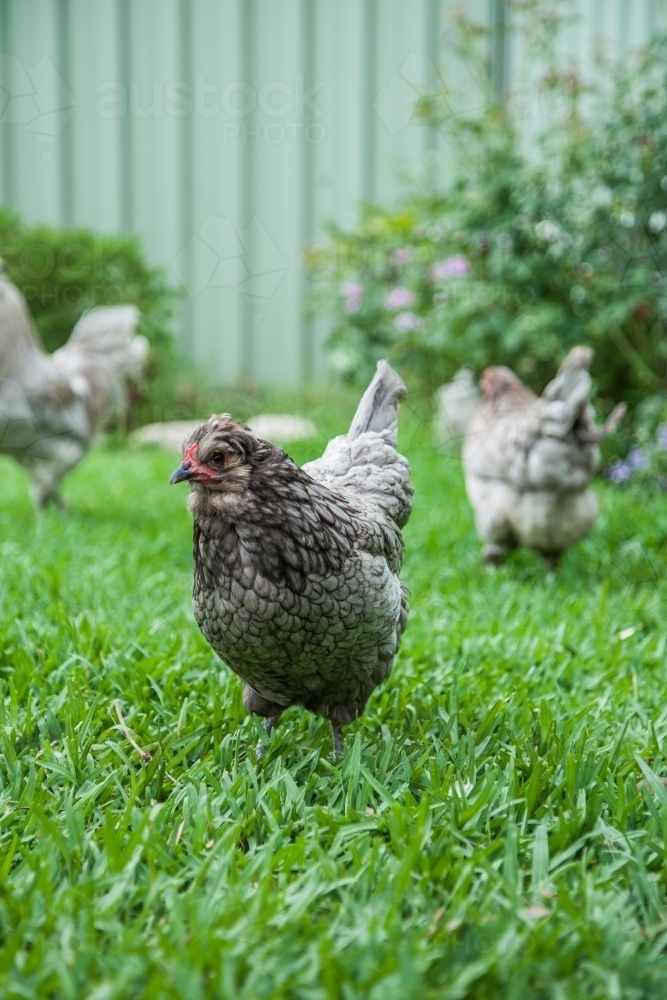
218 457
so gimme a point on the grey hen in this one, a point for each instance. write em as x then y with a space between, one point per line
529 460
296 569
51 405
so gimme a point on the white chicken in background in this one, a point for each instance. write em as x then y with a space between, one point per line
52 405
456 402
529 460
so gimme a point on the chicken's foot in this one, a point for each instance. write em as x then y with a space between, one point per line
268 729
57 502
493 553
493 558
338 742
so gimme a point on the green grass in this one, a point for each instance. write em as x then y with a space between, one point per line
495 829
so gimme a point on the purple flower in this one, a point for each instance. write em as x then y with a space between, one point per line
399 298
637 459
456 266
408 321
661 437
404 255
619 472
354 295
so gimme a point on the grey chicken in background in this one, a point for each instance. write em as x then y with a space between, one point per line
456 402
296 569
529 460
51 405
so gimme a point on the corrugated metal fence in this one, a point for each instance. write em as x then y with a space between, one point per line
226 132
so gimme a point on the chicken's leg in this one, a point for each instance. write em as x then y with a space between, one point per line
270 723
338 742
46 471
258 705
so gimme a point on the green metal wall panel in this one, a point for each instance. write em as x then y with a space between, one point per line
225 133
220 193
93 133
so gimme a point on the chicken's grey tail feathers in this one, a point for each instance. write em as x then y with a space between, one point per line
108 333
596 434
579 357
567 398
378 407
572 384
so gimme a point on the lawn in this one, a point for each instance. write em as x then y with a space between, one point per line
496 829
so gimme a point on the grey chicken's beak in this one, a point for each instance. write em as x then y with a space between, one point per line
182 473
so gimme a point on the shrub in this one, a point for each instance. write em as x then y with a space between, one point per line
644 461
519 258
63 272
